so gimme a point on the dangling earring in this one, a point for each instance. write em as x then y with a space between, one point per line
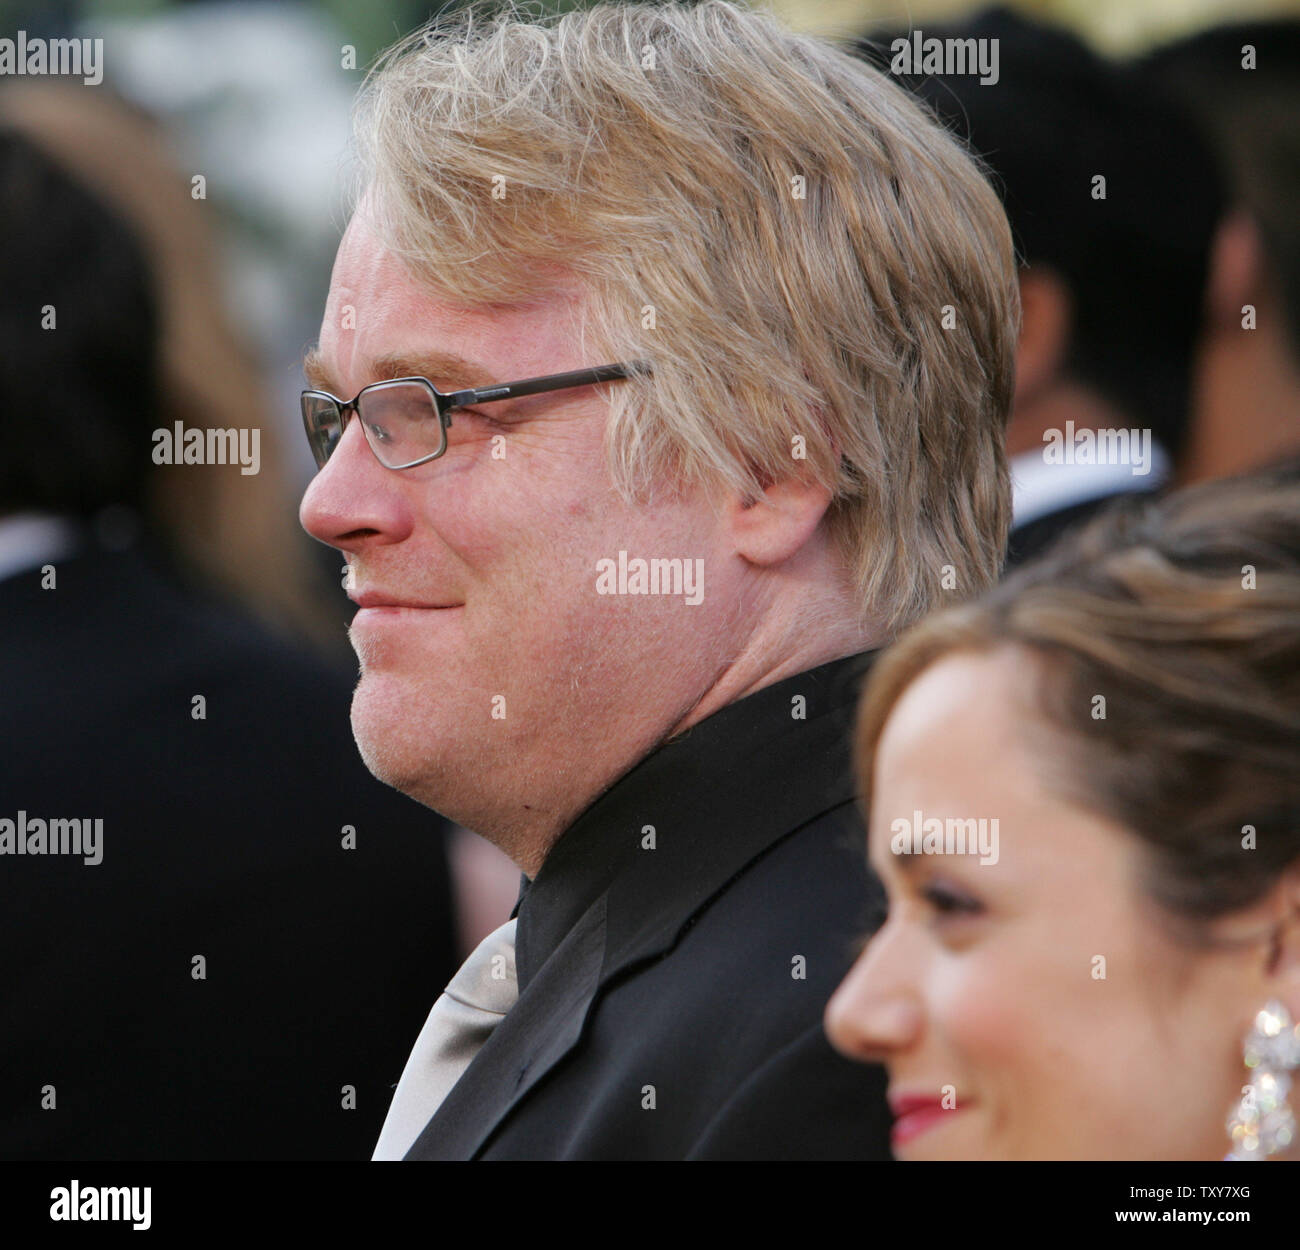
1262 1123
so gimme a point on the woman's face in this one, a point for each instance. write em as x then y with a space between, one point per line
1031 1006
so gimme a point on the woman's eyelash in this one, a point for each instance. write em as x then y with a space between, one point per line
948 901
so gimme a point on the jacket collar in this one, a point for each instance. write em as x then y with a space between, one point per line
718 796
708 802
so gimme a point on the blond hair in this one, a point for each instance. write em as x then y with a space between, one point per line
822 277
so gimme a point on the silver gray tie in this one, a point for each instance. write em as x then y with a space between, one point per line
473 1004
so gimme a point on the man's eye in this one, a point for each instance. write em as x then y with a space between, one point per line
949 901
472 426
473 414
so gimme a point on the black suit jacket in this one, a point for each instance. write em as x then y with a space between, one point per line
671 998
1027 542
222 837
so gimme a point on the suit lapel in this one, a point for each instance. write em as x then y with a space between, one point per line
644 898
537 1032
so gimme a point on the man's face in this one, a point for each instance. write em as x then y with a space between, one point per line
506 690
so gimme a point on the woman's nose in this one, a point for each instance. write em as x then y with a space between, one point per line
876 1012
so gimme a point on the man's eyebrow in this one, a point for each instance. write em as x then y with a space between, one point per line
313 368
445 369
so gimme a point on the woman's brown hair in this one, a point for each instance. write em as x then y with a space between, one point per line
1167 641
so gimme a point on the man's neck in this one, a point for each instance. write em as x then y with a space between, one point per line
773 651
1237 368
773 657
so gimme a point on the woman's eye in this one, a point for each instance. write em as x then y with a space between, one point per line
949 901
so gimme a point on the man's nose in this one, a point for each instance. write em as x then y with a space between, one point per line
354 500
877 1011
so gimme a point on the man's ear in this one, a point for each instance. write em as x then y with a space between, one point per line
771 528
1236 262
1046 324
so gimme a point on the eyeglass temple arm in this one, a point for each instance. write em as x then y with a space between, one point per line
552 382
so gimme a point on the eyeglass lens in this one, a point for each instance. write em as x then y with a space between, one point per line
400 421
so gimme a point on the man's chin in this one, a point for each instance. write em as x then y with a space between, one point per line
388 738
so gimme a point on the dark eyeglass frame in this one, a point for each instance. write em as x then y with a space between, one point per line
444 403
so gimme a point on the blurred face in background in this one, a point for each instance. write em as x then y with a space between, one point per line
1034 1007
497 685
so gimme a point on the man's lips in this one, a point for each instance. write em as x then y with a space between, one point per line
914 1113
374 599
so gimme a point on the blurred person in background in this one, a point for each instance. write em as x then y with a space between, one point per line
1242 83
226 531
235 968
1112 274
1116 973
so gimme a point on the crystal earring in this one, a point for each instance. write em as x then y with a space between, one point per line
1262 1123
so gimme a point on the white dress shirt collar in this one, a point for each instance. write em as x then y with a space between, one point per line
30 539
1038 489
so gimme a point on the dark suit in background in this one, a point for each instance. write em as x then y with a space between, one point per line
1028 541
222 837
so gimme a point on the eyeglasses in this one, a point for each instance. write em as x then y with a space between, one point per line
406 420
